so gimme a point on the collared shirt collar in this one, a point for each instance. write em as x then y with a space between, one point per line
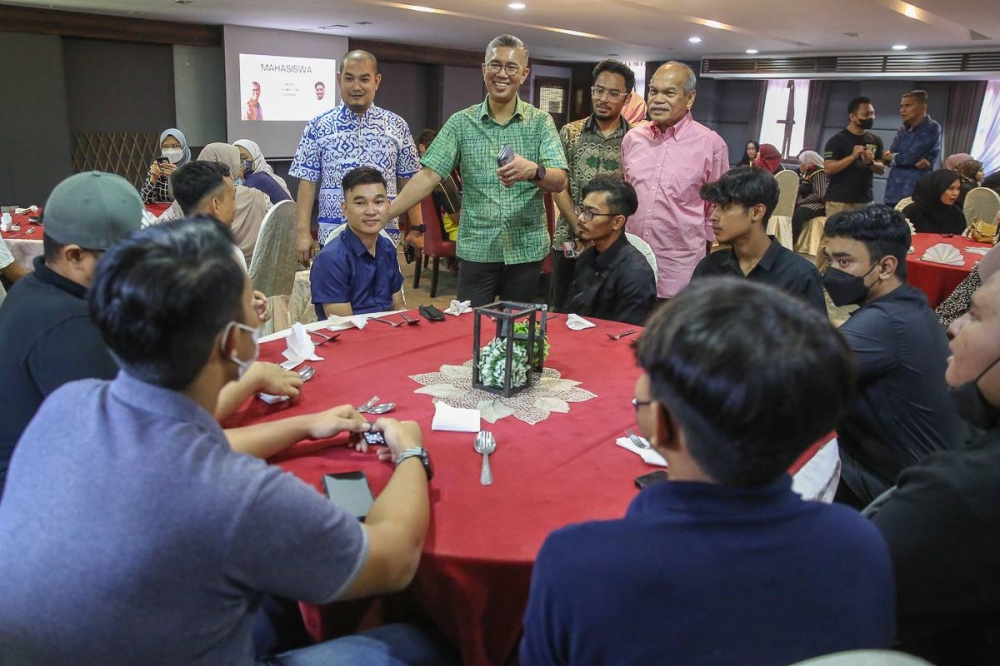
674 131
712 499
603 260
354 243
913 128
591 126
159 400
346 113
48 276
484 109
766 262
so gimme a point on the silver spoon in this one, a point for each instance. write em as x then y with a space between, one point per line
485 444
411 322
620 335
326 338
26 233
368 405
306 373
394 324
382 409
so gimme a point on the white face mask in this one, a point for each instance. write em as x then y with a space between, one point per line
173 154
241 364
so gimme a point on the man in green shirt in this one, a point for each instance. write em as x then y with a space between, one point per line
503 237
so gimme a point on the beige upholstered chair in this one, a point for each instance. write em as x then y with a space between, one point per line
904 203
865 658
810 242
788 185
647 252
981 202
274 263
780 226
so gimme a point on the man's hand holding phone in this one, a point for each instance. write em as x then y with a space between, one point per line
397 437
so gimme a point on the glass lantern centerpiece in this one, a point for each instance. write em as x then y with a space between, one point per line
506 365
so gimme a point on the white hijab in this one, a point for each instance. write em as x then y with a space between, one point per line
260 165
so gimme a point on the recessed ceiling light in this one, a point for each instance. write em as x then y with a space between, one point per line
421 8
713 24
899 47
694 40
517 5
852 34
752 51
363 22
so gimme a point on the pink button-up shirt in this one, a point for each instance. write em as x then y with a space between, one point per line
667 169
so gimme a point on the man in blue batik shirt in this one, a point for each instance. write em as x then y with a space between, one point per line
354 133
915 149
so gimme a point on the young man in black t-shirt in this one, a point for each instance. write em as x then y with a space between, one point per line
852 157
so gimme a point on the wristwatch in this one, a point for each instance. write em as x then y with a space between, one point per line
539 174
418 452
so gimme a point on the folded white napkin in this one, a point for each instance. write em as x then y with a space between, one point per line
272 399
578 323
337 323
458 308
942 253
454 419
300 347
650 456
30 210
977 250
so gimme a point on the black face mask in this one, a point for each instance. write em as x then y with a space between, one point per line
867 123
971 405
844 288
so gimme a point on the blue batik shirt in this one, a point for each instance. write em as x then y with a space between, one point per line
912 144
339 140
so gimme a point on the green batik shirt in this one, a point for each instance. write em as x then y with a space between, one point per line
499 224
589 154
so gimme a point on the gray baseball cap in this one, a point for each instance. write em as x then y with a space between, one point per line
94 210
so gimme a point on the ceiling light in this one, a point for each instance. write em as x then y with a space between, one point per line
421 8
910 11
363 22
713 24
694 40
752 51
899 47
852 34
517 5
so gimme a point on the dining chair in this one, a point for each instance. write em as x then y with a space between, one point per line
646 250
436 245
865 658
904 203
981 202
788 188
274 262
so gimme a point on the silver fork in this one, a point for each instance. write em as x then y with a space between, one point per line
326 338
485 444
619 335
368 405
394 324
637 441
411 322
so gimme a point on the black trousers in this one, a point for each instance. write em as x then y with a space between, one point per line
481 282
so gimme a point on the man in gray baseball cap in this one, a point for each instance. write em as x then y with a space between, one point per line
46 333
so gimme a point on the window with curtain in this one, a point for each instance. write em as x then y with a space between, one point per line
776 110
986 145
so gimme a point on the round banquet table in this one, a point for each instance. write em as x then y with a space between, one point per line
25 242
939 280
476 566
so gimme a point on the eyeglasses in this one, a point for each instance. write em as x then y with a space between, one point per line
495 66
613 95
588 215
640 403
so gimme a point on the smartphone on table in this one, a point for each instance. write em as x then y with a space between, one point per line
349 491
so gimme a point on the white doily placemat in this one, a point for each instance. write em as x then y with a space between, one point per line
550 393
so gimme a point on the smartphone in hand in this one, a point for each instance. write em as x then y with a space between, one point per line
505 156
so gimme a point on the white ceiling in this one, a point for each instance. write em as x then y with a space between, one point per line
632 29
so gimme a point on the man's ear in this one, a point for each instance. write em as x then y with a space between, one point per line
887 267
618 222
666 427
72 253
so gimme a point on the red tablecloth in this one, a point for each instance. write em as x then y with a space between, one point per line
25 225
474 576
939 280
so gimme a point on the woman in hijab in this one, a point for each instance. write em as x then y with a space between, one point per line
933 209
174 152
258 174
811 201
969 169
769 159
251 204
749 154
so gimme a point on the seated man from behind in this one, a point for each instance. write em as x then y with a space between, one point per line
903 412
357 271
722 563
744 199
942 523
173 538
612 279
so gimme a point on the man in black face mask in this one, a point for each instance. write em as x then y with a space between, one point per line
902 412
942 523
852 156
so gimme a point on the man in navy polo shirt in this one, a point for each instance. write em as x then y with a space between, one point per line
723 563
357 271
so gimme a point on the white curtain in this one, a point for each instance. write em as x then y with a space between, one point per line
986 146
776 108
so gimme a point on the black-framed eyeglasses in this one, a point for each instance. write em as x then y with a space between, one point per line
588 215
511 68
613 95
640 403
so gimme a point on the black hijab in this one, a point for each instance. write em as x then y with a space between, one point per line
927 213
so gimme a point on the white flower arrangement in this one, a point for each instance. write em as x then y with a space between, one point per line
493 360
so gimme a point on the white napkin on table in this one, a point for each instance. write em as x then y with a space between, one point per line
458 308
942 253
977 250
454 419
30 210
337 323
649 456
578 323
300 347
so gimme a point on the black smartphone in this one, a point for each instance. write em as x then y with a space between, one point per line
162 160
505 156
349 491
649 479
374 437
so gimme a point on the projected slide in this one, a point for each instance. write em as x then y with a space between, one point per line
283 88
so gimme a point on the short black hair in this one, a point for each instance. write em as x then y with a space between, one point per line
741 404
196 180
855 104
319 83
162 296
883 231
746 186
365 175
621 196
616 67
919 95
426 136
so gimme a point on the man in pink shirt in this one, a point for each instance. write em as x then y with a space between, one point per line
667 162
